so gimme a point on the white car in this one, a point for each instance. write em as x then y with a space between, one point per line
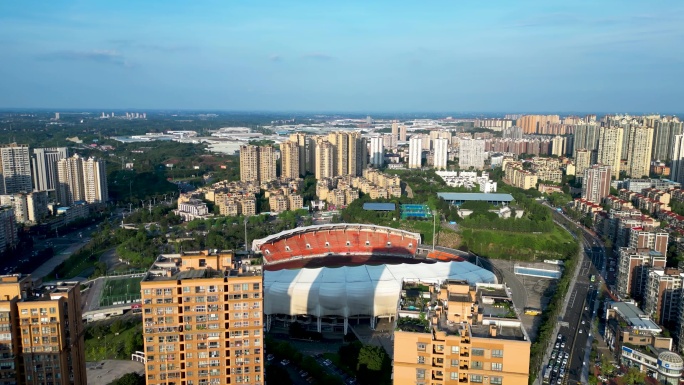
580 331
582 322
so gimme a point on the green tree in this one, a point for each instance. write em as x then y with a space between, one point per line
371 357
634 376
129 379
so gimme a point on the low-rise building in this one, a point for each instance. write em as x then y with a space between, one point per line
636 341
192 209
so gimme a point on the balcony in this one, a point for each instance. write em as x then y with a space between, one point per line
465 354
463 367
438 375
438 362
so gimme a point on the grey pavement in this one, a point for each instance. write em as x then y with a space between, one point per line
49 265
105 372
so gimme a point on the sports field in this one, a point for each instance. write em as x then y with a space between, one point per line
118 291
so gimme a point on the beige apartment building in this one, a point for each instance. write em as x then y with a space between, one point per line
610 148
42 333
640 149
257 163
289 160
202 320
471 337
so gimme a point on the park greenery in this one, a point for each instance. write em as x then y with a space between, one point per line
113 339
371 364
129 379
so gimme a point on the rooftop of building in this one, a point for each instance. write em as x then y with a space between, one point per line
171 266
422 309
499 197
634 317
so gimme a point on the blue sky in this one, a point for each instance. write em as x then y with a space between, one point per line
398 56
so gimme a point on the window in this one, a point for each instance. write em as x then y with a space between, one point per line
453 375
421 347
496 380
477 352
476 365
497 366
454 363
255 287
497 353
476 378
454 349
421 359
420 374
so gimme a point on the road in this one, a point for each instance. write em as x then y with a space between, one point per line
582 304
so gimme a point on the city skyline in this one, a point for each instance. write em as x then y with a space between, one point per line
313 57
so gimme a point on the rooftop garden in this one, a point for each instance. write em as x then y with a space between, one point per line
416 325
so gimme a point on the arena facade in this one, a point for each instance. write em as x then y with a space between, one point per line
357 274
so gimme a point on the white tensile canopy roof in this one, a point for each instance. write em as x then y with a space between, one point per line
358 290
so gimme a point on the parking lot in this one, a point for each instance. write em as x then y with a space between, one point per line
300 377
556 370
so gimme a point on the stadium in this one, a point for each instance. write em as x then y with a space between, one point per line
328 276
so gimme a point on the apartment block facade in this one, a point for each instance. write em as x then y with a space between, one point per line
42 333
633 268
202 321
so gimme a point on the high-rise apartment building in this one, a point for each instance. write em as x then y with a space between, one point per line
202 320
641 238
582 162
633 268
249 163
677 170
664 137
558 146
377 151
471 153
441 147
468 337
586 137
44 164
395 130
267 164
402 133
325 155
596 183
70 186
610 148
257 163
513 132
37 203
415 152
19 203
639 155
663 294
8 229
15 169
306 152
351 153
42 333
95 181
532 124
289 160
